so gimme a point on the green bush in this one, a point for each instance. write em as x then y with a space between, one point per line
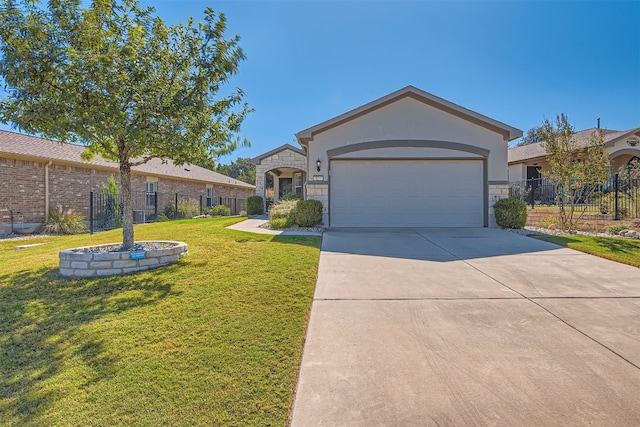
549 220
112 212
255 205
510 213
291 196
61 222
280 223
220 210
615 228
282 209
307 213
162 217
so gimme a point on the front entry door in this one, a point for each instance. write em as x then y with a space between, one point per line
286 186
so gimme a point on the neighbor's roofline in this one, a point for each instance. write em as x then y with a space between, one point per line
509 133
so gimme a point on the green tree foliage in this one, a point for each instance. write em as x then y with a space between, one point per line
116 78
111 215
241 169
532 136
576 170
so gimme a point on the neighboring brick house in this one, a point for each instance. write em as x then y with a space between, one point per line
37 174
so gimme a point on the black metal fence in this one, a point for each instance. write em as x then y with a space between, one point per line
619 196
105 209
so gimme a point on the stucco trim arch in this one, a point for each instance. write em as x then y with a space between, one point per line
408 143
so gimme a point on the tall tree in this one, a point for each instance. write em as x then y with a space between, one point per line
576 170
532 136
116 78
241 169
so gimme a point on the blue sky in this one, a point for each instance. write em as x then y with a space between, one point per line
515 61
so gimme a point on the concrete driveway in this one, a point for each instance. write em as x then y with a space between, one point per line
468 327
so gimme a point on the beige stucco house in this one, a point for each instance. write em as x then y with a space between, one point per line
529 161
409 158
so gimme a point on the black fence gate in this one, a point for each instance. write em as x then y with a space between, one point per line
619 196
105 209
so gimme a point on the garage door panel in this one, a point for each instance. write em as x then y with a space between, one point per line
401 193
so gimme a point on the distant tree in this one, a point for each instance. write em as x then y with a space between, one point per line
117 79
532 136
241 169
576 171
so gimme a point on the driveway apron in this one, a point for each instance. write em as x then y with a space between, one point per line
419 327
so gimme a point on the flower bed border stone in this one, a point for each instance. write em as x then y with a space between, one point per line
89 261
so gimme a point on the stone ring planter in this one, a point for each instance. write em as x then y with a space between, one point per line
102 260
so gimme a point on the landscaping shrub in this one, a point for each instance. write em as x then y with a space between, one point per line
220 210
291 196
112 212
61 222
615 228
282 209
187 208
307 213
549 220
510 213
255 205
162 217
280 223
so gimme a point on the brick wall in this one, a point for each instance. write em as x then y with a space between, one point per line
22 188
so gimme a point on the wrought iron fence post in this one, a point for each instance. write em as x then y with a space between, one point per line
201 204
533 194
616 186
155 204
175 216
91 212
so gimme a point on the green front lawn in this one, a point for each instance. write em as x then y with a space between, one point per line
620 250
215 339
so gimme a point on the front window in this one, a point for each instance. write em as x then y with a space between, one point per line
297 183
152 190
209 197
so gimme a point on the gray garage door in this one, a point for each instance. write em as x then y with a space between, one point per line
406 193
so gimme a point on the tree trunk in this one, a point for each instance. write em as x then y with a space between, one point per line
127 207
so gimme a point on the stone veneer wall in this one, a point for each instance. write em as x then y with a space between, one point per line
80 262
283 159
319 190
496 192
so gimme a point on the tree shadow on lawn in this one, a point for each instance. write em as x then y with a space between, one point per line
618 245
612 244
313 241
42 316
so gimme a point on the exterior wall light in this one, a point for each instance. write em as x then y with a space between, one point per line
318 165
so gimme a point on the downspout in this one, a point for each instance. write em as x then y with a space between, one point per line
46 190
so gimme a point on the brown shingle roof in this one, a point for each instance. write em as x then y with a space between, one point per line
31 147
535 151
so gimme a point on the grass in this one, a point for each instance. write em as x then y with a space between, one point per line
214 339
620 250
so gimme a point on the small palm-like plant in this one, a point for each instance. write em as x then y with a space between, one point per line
61 222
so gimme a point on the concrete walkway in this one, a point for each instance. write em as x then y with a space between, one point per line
252 225
468 327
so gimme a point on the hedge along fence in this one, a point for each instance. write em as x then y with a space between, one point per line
105 212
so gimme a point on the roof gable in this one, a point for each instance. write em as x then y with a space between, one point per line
258 159
508 133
